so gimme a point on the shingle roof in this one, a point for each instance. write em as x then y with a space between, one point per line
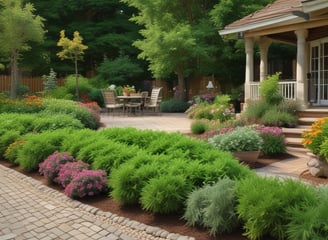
275 10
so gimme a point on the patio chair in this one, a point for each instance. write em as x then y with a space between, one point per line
154 101
111 101
134 105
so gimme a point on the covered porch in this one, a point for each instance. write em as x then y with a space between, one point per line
302 23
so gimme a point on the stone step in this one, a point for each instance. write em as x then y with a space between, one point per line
294 132
297 150
307 121
313 113
294 142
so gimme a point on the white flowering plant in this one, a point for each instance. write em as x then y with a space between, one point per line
238 139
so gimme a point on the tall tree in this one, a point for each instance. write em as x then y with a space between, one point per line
176 37
74 50
19 26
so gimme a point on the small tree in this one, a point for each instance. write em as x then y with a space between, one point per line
50 81
18 27
72 49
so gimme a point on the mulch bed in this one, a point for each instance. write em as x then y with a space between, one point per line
172 222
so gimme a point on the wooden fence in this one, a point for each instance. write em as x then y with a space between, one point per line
35 84
195 86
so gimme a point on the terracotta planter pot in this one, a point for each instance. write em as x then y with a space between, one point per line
246 156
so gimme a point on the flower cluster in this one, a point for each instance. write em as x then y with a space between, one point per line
32 100
69 171
51 165
87 183
276 131
313 138
73 175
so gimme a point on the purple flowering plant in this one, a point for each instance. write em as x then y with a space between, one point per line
69 171
274 142
53 163
87 183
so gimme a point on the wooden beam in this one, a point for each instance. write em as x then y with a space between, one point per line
287 28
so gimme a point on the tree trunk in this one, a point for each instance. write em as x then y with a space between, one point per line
181 91
76 81
14 73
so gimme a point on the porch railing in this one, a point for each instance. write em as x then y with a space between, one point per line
287 89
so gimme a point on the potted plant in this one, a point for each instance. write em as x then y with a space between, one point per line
127 89
316 140
244 143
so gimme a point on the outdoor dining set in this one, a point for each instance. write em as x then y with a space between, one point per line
134 103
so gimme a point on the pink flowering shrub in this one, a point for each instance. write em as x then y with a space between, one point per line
87 183
52 164
273 140
277 131
69 171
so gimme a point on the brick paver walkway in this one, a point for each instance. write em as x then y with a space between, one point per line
31 210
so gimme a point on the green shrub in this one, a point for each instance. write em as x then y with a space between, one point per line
113 155
213 207
289 106
77 140
133 136
199 127
264 203
165 194
60 93
84 86
11 152
273 140
52 122
17 121
273 144
174 105
269 90
6 139
87 150
128 180
280 119
309 221
39 146
162 143
59 106
255 110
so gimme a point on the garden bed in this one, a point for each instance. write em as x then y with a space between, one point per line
171 222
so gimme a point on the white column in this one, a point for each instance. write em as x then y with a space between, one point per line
264 44
301 83
249 71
